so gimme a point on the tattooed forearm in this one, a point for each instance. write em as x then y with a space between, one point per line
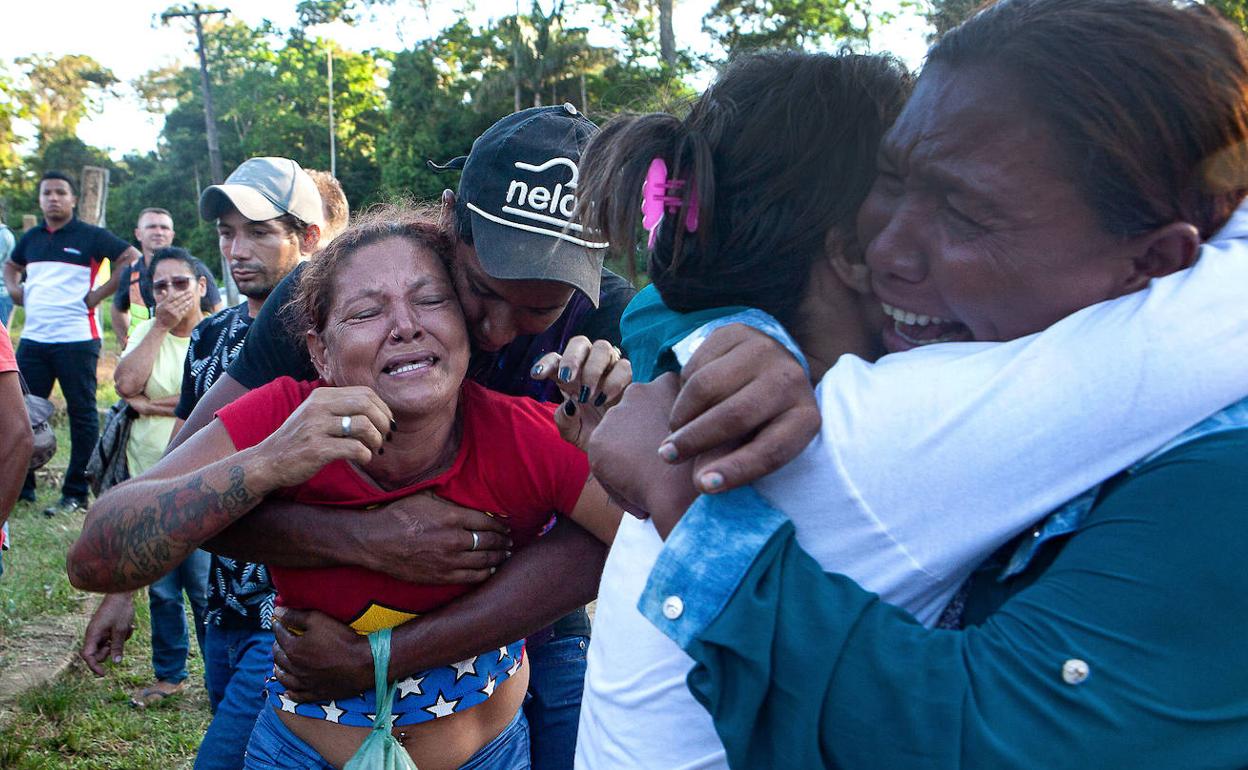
128 542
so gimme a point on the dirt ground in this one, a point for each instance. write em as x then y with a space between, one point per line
37 653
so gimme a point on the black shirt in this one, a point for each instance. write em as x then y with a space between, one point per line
61 267
215 342
240 594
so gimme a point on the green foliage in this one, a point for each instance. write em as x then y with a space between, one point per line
1235 10
944 15
741 25
60 92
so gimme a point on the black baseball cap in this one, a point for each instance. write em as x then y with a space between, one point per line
519 187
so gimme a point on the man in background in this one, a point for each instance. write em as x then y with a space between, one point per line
51 272
134 301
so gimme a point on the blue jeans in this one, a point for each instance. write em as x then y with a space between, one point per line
274 747
169 635
236 662
73 364
553 706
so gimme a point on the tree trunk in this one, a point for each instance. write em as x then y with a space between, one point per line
667 37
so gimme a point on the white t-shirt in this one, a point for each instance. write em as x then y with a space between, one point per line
927 461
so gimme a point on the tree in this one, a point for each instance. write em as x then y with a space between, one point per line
60 92
1235 10
742 25
944 15
271 96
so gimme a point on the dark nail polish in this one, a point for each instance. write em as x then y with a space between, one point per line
381 450
393 425
602 399
537 370
565 373
569 408
584 396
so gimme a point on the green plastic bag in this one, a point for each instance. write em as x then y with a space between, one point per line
381 750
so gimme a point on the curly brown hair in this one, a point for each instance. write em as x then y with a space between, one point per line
315 294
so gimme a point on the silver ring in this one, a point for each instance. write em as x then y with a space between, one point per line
346 426
476 540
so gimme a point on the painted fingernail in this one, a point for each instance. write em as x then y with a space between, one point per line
668 452
602 399
569 408
381 450
712 481
565 373
393 425
584 396
537 370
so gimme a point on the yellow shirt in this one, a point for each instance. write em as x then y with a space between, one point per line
150 435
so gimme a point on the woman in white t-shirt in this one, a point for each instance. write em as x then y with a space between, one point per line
149 378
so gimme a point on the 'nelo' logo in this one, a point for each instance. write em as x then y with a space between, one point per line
543 203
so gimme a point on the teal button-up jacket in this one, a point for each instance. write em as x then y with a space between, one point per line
1121 643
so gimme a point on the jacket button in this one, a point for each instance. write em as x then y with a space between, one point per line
1075 671
673 607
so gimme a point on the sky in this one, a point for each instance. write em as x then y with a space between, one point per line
128 37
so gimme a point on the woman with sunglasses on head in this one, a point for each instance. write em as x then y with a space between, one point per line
149 378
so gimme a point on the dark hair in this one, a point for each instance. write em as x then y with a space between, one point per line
61 175
780 149
315 294
171 252
154 210
463 222
334 205
1148 100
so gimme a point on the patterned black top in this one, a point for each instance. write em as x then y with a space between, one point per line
239 593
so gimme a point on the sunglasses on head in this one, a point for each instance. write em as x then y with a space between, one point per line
178 282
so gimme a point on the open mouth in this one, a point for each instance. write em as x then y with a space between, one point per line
917 329
408 364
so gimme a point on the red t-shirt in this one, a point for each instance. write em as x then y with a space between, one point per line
8 361
511 463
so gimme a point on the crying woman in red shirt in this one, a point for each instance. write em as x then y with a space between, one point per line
390 416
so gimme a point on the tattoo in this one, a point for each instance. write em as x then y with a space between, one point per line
134 545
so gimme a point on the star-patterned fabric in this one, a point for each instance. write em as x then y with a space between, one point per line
426 696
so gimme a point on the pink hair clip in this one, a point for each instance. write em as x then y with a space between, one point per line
660 194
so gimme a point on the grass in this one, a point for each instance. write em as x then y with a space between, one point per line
79 721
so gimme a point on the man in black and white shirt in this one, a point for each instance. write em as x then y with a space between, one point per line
51 273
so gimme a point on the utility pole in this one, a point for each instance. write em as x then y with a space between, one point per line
195 13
